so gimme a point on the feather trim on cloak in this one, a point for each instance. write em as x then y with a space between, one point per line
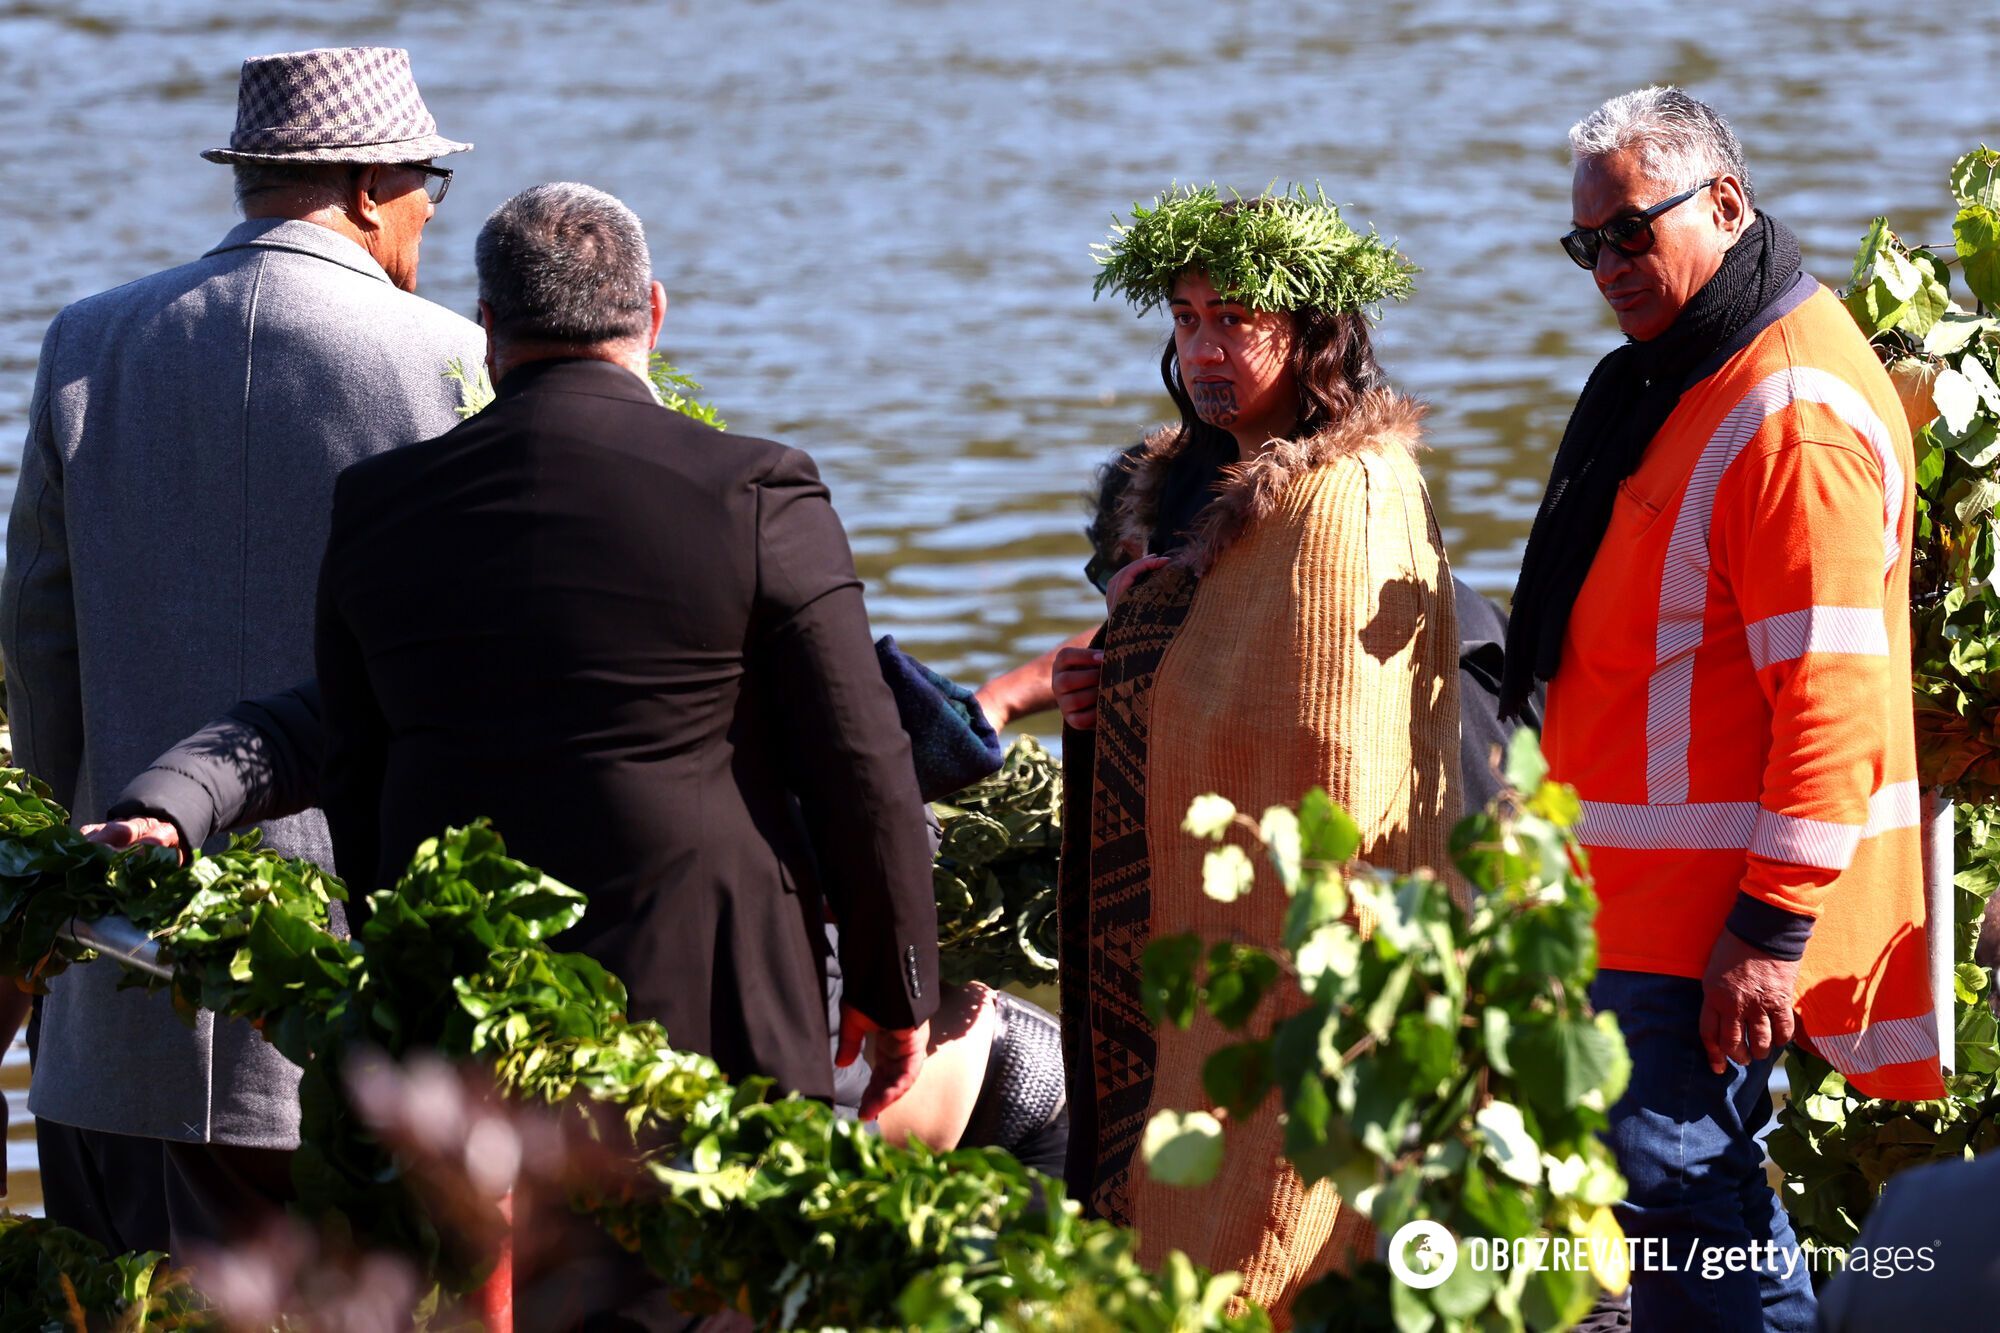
1247 492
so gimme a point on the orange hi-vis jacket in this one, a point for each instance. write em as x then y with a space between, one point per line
1733 705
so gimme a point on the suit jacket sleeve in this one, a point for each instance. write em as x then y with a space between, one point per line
852 771
356 734
37 611
260 760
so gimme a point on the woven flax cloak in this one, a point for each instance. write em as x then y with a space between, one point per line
1304 637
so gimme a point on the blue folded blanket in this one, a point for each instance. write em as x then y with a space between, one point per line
950 739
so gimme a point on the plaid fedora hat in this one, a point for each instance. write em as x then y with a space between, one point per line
340 104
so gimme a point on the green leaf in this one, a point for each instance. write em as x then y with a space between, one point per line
1237 1078
1182 1148
1508 1142
1978 500
1978 448
1564 1062
1327 833
1227 874
1976 231
1864 257
1238 977
1930 460
1333 950
1384 1004
1209 816
1167 971
1975 178
1981 379
1928 302
1496 1026
1884 282
1954 330
1956 400
1428 1047
1280 831
1525 768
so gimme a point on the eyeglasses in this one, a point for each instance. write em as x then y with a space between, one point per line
438 183
1630 235
436 186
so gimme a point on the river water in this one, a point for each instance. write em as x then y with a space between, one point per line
874 217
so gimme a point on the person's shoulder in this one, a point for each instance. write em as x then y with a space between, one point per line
1952 1194
117 305
364 483
429 318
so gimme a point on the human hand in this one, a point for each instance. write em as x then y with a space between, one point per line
139 831
1074 679
895 1055
1121 582
1746 1003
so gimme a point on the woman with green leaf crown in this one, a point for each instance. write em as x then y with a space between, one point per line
1292 628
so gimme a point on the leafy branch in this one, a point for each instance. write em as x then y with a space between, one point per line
770 1206
1433 1059
1836 1147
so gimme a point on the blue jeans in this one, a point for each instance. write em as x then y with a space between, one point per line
1685 1138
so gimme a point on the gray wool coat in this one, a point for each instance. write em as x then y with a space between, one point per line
175 488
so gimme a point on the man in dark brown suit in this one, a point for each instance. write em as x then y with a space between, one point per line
638 646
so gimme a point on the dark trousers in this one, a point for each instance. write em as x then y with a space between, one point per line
131 1193
1685 1138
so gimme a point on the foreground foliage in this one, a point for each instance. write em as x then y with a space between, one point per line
51 1277
1836 1147
769 1206
1444 1064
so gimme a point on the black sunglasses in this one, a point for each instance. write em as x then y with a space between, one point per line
1630 235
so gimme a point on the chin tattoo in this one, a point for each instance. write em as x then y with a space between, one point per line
1215 403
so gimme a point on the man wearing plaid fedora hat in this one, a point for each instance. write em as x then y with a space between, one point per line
175 488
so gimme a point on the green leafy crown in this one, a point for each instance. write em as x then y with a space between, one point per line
1284 250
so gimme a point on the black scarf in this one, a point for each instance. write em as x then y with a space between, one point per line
1625 402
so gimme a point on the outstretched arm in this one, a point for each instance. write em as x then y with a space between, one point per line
260 760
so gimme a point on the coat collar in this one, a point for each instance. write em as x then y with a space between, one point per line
1249 491
582 374
300 237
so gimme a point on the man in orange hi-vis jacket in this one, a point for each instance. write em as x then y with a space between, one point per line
1717 590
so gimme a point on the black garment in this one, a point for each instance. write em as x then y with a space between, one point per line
1482 656
639 647
1189 486
1626 400
129 1193
1932 1261
1023 1103
258 761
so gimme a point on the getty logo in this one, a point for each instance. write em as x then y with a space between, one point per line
1422 1254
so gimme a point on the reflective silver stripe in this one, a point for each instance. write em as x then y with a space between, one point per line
1714 826
1805 842
1684 576
1858 630
1709 826
1893 1041
1898 805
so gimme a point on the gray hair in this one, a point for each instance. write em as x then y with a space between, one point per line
565 263
1680 141
311 184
